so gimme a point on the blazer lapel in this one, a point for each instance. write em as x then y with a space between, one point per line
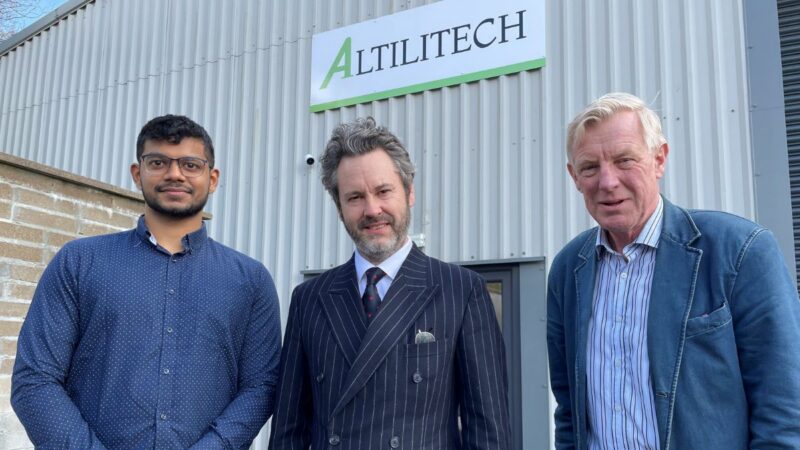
677 264
342 306
584 286
409 294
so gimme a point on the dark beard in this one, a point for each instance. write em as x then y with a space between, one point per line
175 213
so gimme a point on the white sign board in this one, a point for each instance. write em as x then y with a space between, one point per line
436 45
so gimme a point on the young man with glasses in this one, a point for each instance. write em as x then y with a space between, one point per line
157 337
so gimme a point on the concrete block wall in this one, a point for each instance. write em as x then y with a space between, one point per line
41 209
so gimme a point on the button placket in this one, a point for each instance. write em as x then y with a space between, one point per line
168 343
619 330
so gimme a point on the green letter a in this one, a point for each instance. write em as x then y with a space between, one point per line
339 65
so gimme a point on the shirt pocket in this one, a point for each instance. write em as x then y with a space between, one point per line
708 322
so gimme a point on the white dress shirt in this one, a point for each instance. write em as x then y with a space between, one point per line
390 267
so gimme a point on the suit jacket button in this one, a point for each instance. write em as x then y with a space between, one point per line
416 378
334 439
394 442
320 377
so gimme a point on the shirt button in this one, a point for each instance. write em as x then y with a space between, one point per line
166 371
416 378
618 408
334 439
171 292
394 442
623 275
163 416
619 318
169 330
320 377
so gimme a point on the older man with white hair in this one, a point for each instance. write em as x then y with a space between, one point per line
667 328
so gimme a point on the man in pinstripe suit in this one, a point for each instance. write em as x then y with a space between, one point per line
408 355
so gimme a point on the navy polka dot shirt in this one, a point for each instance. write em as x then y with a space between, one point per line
128 346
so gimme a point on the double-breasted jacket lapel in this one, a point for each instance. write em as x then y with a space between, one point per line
406 299
342 306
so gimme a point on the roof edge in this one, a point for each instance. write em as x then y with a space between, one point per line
40 25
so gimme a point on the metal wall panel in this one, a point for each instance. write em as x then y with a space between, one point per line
491 178
789 13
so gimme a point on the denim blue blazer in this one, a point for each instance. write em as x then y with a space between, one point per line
723 334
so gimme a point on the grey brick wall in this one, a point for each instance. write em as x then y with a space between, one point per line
41 209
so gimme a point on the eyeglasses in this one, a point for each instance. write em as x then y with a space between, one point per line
159 164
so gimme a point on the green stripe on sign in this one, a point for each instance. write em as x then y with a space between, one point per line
430 85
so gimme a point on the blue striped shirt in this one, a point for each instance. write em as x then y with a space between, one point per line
620 404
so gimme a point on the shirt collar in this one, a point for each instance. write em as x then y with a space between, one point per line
192 241
390 265
649 235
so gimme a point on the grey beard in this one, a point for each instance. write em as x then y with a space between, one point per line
376 252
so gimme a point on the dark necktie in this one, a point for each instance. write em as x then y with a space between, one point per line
371 299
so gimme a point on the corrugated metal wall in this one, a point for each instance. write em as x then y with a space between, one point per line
492 182
789 13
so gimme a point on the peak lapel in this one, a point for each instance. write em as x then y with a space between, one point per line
407 297
342 306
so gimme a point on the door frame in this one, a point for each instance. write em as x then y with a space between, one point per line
524 332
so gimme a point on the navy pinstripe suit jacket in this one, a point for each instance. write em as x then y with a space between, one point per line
349 384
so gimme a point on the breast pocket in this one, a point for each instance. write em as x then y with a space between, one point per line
709 322
426 349
426 359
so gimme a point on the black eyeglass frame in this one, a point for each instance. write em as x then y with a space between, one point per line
182 160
